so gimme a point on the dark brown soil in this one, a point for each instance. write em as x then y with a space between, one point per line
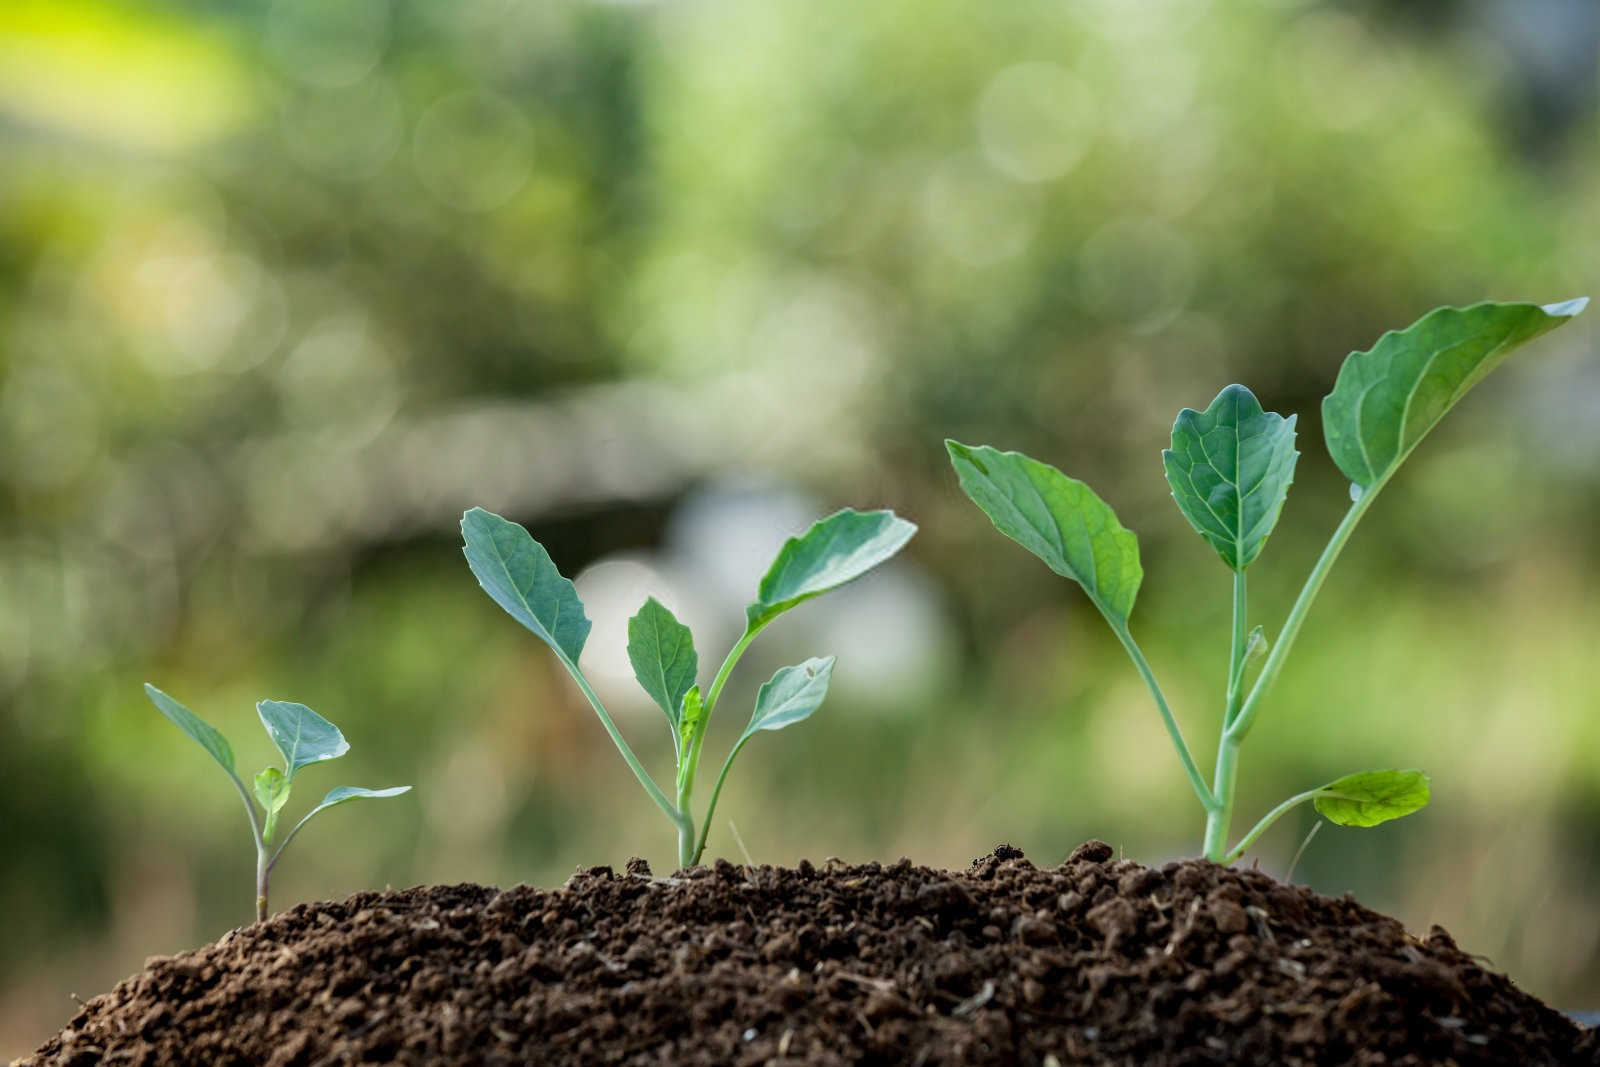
1096 961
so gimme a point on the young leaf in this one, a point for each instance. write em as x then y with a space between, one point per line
1230 467
343 793
661 650
1372 797
301 734
272 793
792 694
1058 519
519 575
690 721
197 728
836 550
1386 399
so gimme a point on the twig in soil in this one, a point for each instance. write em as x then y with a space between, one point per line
1301 851
748 862
969 1007
881 985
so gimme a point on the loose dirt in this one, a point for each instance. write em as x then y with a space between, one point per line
1095 961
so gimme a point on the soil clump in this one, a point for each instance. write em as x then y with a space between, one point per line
1097 961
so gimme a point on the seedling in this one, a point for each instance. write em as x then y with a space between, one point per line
303 737
1230 467
518 574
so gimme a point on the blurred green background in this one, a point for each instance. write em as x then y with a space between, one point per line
285 286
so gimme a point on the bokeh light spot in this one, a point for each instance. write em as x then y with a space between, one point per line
473 150
1035 121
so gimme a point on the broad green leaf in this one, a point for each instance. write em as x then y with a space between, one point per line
1058 519
690 721
193 725
1386 399
792 694
661 650
1372 797
341 794
1230 467
272 793
301 734
518 574
836 550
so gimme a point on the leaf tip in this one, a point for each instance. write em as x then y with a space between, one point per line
1566 309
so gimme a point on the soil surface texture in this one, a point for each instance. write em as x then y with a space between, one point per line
1096 961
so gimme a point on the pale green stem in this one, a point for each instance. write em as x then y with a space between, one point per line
1270 818
678 818
1241 625
689 849
1171 723
716 791
263 868
1227 769
1297 615
727 669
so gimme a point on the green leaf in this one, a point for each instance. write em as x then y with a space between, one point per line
836 550
1372 797
792 694
1230 467
518 574
272 793
201 731
1386 399
661 650
301 734
1058 519
690 722
344 793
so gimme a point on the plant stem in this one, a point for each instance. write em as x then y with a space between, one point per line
679 819
1167 718
1297 615
716 791
1227 770
689 848
1236 656
1266 821
263 867
727 669
263 872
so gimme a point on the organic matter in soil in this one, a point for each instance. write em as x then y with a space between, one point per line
1095 961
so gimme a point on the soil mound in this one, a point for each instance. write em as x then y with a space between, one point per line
1095 961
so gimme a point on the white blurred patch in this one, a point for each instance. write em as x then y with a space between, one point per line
1035 121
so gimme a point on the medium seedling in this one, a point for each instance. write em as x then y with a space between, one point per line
303 737
518 574
1229 468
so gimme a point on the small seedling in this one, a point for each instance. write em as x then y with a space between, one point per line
518 574
303 737
1229 468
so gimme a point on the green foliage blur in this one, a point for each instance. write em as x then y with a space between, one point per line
285 285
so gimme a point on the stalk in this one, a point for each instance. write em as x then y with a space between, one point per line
1267 820
1227 771
1167 719
263 872
1240 717
690 847
716 791
1297 614
679 819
